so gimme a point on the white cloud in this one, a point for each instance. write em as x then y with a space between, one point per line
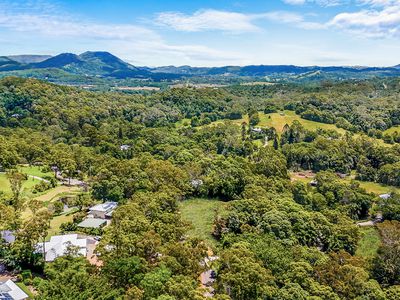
295 2
132 42
207 20
371 22
318 2
233 22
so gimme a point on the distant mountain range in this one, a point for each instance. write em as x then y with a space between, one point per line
106 65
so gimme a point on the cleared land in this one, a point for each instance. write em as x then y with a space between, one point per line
393 129
200 212
27 185
58 191
371 187
279 120
34 171
276 120
56 222
369 242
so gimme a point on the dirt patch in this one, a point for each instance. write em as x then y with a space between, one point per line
302 175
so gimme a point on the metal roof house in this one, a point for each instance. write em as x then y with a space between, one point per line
103 210
385 196
98 215
58 245
92 223
10 291
8 236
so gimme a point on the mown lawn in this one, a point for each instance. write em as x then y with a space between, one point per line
377 188
34 171
369 242
27 185
279 120
200 212
56 222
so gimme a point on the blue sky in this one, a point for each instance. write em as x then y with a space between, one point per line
208 33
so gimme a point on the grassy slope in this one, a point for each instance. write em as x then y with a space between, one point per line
28 184
200 212
276 120
56 222
371 187
369 242
393 129
279 121
5 185
377 188
34 171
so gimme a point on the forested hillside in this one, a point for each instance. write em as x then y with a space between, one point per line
288 209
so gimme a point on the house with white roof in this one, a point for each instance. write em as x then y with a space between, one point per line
385 196
99 215
103 210
8 236
59 244
10 291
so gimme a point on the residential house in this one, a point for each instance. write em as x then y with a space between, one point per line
385 196
59 245
10 291
8 236
103 210
99 215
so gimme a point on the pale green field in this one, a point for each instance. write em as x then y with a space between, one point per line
377 188
5 184
370 187
34 171
369 242
278 121
393 129
200 213
56 222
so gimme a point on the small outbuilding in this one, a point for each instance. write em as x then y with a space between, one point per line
385 196
93 223
10 291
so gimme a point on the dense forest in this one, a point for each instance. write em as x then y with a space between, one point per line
273 237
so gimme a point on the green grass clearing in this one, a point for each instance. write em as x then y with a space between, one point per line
370 187
392 129
56 222
58 191
34 171
369 242
26 186
279 120
201 212
376 188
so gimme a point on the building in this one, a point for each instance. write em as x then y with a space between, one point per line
93 223
99 215
10 291
257 130
124 147
59 244
8 236
103 210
